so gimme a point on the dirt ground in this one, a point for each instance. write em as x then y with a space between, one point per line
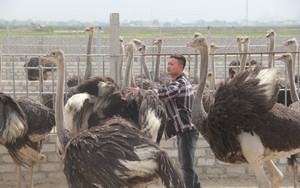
206 182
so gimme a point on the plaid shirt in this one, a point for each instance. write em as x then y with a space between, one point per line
178 96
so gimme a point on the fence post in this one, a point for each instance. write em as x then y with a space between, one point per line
114 46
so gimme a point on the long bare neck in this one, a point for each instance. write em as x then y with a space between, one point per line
145 67
271 49
198 112
157 65
59 104
294 55
244 57
212 63
88 70
128 76
291 71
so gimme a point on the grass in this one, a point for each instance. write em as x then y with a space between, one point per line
140 32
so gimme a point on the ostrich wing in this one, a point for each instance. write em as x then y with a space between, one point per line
40 119
241 104
102 153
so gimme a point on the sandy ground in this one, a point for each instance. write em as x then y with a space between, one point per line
207 182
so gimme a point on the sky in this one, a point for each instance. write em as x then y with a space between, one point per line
147 10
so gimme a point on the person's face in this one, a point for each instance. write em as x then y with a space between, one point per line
174 68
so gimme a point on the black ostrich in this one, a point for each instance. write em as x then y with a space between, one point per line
32 71
243 115
113 154
24 124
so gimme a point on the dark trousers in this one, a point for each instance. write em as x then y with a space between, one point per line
186 143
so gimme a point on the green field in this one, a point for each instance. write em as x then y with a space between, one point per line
150 31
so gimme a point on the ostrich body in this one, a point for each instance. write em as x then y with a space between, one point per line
32 71
271 36
158 43
288 59
243 134
24 125
113 154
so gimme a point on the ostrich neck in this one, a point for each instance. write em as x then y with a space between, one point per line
212 84
291 74
128 72
244 58
145 67
157 63
59 104
88 70
271 55
198 112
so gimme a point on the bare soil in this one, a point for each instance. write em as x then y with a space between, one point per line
206 182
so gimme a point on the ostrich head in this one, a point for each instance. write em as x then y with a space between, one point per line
270 34
110 100
197 34
130 48
137 42
245 40
158 42
286 58
213 48
142 49
89 30
291 44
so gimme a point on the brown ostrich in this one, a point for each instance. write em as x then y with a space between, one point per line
271 34
159 44
113 154
295 105
32 71
24 123
239 122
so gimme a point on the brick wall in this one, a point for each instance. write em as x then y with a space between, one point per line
206 164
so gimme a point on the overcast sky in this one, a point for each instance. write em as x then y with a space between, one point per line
146 10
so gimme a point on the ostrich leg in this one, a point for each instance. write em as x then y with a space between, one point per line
275 173
254 157
19 176
31 176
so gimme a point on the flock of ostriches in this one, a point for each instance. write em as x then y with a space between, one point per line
110 138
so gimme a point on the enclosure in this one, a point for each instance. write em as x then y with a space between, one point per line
17 50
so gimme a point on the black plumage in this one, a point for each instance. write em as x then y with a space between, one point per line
131 151
25 123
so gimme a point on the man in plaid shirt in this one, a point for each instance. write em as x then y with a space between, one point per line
178 97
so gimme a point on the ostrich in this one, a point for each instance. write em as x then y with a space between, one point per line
159 44
24 124
32 71
288 59
282 98
243 46
271 34
292 45
142 50
122 50
76 80
113 154
240 120
245 42
128 81
213 50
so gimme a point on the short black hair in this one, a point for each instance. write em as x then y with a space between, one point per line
179 57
